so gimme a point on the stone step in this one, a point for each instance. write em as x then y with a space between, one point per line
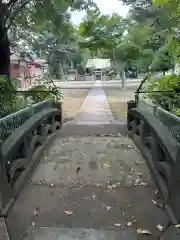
85 128
81 233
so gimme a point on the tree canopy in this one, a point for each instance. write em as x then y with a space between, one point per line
46 21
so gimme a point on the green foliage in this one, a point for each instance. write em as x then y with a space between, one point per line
7 96
46 89
169 95
39 93
127 51
100 32
162 61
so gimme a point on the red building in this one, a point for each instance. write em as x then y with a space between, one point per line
26 71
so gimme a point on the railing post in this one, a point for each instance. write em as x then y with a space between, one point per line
5 189
130 104
58 105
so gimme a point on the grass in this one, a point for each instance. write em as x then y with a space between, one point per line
117 100
73 99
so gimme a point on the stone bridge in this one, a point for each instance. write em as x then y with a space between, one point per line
91 178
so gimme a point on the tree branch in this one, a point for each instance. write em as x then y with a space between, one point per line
16 12
11 2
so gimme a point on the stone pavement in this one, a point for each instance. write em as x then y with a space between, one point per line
95 109
92 183
130 83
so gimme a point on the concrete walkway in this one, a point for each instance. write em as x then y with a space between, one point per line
95 108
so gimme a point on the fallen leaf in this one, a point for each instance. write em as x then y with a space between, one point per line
94 196
129 205
108 208
159 205
160 227
129 224
117 224
51 185
109 187
68 212
156 192
78 169
36 212
42 182
33 224
137 182
143 232
106 165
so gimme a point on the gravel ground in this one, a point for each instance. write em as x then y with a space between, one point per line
73 99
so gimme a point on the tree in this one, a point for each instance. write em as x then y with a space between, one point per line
100 32
162 61
45 14
125 54
173 12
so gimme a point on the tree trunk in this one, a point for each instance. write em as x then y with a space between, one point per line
4 50
62 77
122 75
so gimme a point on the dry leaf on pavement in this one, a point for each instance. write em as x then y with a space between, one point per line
78 169
141 231
156 192
117 224
36 212
129 224
109 187
137 182
160 227
68 212
33 224
94 196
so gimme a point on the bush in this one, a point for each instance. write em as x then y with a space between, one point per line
168 96
45 90
7 96
39 93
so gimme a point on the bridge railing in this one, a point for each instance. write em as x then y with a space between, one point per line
152 132
167 117
24 135
9 123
